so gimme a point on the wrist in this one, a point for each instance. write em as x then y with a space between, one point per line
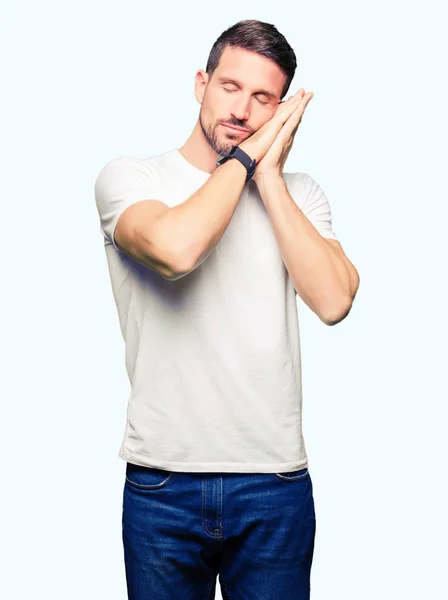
268 178
270 186
249 150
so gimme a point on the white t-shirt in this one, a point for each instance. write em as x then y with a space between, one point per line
213 358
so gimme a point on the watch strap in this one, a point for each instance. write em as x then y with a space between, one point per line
243 157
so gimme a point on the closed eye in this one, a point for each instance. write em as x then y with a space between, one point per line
230 91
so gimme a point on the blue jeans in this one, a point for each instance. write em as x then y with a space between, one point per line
181 530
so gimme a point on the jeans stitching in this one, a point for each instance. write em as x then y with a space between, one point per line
220 508
295 478
151 486
204 513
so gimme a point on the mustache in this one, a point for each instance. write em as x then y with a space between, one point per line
240 125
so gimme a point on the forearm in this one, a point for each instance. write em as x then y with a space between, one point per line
196 225
318 274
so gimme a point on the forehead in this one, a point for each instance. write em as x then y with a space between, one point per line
251 69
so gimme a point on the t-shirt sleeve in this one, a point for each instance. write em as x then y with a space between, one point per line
317 208
120 183
310 198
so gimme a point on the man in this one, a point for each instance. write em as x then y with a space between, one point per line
206 256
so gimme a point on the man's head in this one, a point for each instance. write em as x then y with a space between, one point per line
249 71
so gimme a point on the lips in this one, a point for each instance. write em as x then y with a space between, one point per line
235 128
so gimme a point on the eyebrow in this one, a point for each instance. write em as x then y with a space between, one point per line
230 80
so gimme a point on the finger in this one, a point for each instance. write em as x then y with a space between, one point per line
299 95
289 129
290 100
284 104
298 111
287 109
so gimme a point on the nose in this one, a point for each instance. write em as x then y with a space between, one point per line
240 111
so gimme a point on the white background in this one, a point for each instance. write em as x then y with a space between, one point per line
84 82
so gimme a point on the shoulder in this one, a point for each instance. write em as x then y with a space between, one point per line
125 162
299 185
299 179
127 169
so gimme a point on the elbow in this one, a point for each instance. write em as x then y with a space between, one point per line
344 307
174 271
176 274
171 260
188 258
336 316
180 265
174 256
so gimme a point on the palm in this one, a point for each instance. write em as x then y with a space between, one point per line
274 159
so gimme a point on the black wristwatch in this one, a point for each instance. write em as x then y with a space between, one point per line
245 160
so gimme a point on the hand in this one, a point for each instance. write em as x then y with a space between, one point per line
271 144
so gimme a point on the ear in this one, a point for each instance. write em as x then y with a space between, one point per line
200 84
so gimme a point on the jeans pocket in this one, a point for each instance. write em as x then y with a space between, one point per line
296 475
148 478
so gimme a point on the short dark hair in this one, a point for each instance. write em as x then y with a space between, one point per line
263 38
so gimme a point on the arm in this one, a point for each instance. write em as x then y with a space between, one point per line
170 241
198 224
175 240
316 266
192 229
353 274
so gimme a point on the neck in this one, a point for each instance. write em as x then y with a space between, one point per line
198 151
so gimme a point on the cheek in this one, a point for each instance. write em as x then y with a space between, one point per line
208 114
214 101
214 110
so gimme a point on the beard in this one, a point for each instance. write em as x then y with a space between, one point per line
218 143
